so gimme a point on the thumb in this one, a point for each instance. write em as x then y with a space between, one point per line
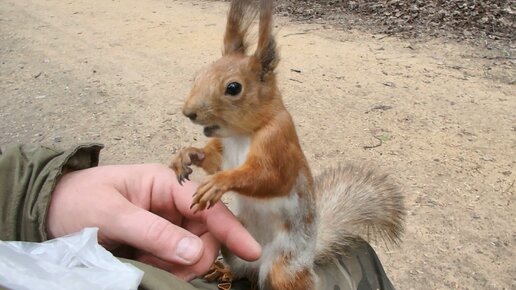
151 233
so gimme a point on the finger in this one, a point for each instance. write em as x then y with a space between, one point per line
221 223
211 251
152 260
154 234
229 231
194 227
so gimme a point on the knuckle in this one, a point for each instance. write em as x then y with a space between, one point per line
158 233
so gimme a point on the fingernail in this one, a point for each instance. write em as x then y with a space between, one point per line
188 249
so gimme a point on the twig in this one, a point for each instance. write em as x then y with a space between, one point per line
499 57
376 145
299 33
508 188
382 37
379 108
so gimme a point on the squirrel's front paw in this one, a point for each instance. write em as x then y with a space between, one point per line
186 157
208 193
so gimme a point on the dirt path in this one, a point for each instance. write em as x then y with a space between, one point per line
117 71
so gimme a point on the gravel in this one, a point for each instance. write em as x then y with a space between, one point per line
460 19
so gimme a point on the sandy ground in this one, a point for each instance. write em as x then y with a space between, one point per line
117 72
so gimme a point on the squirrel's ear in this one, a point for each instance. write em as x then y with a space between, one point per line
266 57
240 17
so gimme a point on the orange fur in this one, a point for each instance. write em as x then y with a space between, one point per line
279 277
243 114
213 156
274 161
273 164
209 158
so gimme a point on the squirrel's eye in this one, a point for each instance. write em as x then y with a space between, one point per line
233 89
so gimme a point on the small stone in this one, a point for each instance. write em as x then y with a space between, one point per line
487 158
389 84
381 108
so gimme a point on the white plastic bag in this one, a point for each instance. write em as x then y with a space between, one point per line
76 261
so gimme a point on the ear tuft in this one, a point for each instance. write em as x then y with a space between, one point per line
241 15
266 51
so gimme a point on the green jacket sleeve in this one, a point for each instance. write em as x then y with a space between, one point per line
28 175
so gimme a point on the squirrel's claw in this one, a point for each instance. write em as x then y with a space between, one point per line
194 208
208 194
182 177
181 164
220 273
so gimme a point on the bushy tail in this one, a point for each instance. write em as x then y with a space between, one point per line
355 203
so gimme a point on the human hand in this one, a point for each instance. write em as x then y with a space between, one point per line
144 206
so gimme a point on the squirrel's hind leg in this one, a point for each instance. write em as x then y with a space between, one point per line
219 272
281 276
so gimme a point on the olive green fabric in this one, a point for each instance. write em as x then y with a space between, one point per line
29 173
157 279
359 270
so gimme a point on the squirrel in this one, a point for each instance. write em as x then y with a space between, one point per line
254 151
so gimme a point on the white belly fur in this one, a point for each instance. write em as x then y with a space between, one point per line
235 151
265 219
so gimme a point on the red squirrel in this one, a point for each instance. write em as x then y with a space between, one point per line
254 152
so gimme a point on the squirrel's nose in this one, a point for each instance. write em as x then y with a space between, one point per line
191 115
